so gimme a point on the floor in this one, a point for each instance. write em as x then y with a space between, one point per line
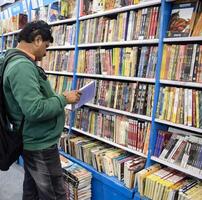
11 183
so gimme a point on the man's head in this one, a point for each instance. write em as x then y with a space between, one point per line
35 37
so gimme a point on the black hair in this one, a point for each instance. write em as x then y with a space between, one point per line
34 28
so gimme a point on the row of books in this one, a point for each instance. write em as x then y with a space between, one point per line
186 19
180 105
104 158
77 180
131 97
119 28
183 150
120 129
58 10
63 35
143 24
157 182
58 61
94 6
13 23
128 61
182 62
60 83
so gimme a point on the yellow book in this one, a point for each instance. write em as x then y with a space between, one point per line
115 60
120 25
146 142
170 182
168 193
170 103
171 64
180 99
163 64
158 176
92 123
175 105
136 1
165 101
150 183
158 190
141 176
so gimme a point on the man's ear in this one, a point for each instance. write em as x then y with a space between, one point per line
38 40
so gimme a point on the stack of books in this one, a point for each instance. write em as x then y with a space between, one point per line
77 180
157 182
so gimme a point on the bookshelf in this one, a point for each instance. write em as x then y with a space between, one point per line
181 83
11 33
59 73
100 180
181 126
122 9
181 169
138 79
125 43
109 142
64 21
68 47
143 117
183 39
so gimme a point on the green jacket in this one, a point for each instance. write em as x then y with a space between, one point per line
27 93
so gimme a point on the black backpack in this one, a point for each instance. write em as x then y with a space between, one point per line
11 144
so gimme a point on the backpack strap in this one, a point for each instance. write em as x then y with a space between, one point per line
6 60
11 55
40 69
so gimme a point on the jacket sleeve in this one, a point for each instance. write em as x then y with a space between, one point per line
26 90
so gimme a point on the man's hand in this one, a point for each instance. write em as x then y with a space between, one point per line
72 96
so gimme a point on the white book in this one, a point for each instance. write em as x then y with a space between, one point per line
175 148
87 93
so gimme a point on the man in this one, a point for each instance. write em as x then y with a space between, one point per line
29 98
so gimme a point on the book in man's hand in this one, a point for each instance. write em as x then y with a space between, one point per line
87 94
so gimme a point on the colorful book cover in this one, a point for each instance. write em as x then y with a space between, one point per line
54 12
182 16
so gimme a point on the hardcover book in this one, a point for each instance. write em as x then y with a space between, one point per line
182 18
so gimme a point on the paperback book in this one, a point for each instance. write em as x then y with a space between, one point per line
87 94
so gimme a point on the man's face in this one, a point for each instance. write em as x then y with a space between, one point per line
40 48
